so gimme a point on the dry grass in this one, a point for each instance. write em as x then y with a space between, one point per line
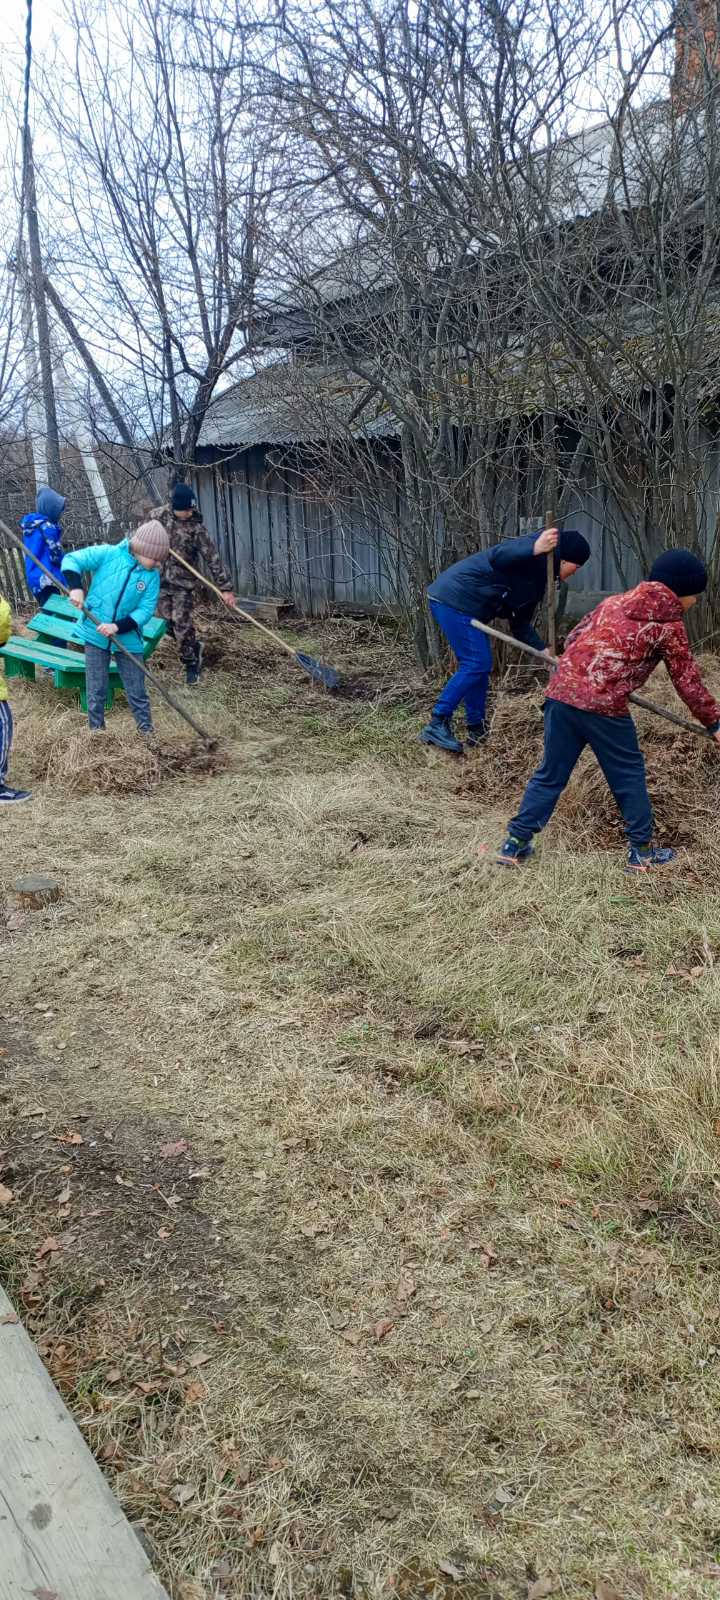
446 1226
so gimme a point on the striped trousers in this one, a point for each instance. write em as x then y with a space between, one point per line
6 738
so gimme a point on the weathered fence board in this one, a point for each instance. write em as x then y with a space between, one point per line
61 1529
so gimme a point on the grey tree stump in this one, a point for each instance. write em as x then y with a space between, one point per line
36 892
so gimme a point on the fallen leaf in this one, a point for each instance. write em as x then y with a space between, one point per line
382 1329
465 1047
45 1594
711 1569
275 1463
387 1513
488 1257
541 1588
195 1393
406 1288
199 1360
449 1570
350 1335
70 1138
114 1375
10 1319
48 1247
183 1493
256 1536
125 1183
165 1233
176 1369
111 1451
274 1553
179 1148
604 1590
201 1172
188 1589
6 1195
64 1196
151 1388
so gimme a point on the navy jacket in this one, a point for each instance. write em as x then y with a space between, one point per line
505 581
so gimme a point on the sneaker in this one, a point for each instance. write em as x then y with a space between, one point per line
514 852
477 734
641 857
13 797
192 672
438 731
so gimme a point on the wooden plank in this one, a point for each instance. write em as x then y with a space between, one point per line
62 1531
49 625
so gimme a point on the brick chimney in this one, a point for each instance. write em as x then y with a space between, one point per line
696 50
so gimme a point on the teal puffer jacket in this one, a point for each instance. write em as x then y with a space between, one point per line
120 588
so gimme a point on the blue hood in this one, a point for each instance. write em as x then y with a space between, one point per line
49 504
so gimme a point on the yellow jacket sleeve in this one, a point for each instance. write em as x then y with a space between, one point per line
5 621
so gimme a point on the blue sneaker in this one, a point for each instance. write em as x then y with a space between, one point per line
477 734
438 731
13 797
514 852
641 857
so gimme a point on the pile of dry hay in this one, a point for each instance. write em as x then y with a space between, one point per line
115 762
683 770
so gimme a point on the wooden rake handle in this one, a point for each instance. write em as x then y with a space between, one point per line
234 611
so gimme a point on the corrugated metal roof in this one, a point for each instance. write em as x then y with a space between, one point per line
292 404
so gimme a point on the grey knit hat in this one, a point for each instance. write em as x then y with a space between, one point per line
150 540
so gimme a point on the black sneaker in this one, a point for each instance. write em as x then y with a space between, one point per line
193 671
439 732
13 797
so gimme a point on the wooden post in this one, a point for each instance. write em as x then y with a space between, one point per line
36 892
552 641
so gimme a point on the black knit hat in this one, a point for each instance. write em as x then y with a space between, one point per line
572 546
183 498
680 571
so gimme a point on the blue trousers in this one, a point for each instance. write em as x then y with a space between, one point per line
6 739
614 741
474 658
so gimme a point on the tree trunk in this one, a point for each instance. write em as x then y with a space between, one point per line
41 318
105 395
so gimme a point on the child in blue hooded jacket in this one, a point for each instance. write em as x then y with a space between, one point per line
42 535
123 595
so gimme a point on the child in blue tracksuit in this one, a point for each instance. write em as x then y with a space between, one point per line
123 594
42 535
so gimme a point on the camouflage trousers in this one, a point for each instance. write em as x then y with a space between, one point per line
175 606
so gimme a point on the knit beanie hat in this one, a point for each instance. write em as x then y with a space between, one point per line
680 571
150 540
183 498
572 546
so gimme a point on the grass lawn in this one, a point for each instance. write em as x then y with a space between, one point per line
364 1199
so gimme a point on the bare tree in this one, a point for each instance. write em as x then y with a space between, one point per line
402 118
165 187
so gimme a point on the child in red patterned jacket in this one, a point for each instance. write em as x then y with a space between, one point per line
609 655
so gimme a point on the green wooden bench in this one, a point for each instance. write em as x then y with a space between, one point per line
24 658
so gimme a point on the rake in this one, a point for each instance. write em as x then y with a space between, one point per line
553 661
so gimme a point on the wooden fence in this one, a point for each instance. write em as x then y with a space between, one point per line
13 583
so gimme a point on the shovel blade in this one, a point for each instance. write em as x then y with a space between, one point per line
326 676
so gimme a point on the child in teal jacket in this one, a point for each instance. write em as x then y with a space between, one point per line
123 594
